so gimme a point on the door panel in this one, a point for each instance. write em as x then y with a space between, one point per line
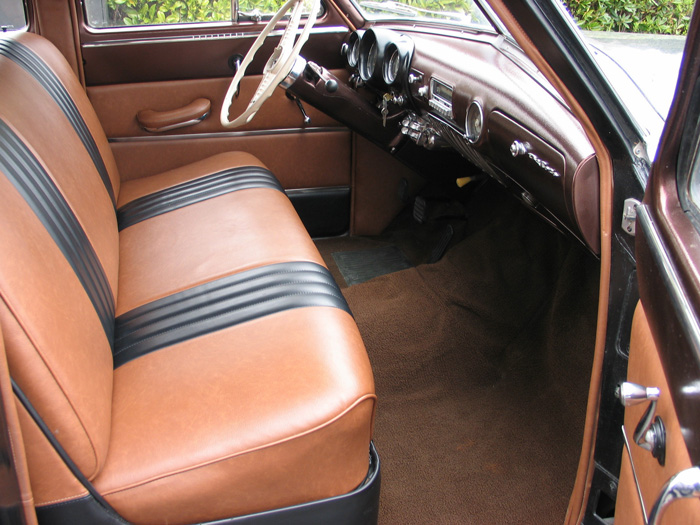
117 105
665 344
318 156
299 160
192 52
163 68
645 368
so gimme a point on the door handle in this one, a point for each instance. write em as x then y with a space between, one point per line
685 484
160 121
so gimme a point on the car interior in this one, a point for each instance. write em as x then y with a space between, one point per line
323 265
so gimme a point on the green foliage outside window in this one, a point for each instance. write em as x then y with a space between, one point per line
636 16
146 12
670 17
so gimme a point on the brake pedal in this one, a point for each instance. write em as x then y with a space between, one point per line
420 210
441 246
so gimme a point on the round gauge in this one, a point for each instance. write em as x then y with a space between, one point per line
475 122
354 52
392 66
367 66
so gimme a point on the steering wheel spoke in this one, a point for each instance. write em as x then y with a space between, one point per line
277 67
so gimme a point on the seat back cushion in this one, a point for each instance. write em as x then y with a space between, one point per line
59 270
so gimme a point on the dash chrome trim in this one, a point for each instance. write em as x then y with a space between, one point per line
192 38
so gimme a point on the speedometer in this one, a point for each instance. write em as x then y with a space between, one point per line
392 65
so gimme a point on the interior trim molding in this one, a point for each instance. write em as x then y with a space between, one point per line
230 134
669 274
179 39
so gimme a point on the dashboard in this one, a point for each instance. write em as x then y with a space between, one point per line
479 97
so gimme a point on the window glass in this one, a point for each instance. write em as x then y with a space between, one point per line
12 17
120 13
638 45
462 12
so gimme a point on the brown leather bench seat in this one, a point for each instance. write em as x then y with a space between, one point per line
175 340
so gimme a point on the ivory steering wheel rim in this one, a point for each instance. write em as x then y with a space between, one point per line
278 66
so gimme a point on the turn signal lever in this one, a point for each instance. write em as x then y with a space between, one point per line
293 97
323 90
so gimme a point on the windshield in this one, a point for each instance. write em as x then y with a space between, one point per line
461 12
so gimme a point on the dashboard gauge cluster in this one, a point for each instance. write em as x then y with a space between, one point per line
353 48
472 96
381 57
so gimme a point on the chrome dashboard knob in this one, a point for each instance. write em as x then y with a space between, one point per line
518 148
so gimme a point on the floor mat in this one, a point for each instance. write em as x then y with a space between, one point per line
362 265
481 365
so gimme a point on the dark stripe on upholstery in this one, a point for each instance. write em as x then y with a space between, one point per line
197 190
30 179
223 303
24 57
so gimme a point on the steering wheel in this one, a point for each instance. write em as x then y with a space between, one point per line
279 64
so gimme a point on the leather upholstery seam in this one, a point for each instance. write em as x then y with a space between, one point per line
65 500
60 386
266 446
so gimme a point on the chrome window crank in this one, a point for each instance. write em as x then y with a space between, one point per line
685 484
650 433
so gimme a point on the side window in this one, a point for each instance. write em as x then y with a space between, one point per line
121 13
12 15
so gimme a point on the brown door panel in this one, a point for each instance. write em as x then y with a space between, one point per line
299 160
645 368
117 105
194 51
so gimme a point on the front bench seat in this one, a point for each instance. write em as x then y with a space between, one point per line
233 404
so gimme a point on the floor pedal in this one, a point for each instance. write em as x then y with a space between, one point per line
420 210
443 241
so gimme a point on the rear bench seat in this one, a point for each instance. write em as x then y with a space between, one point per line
177 348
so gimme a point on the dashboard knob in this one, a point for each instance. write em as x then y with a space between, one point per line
518 148
331 85
423 91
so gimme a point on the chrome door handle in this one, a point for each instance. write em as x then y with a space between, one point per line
685 484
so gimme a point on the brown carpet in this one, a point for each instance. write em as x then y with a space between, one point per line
481 364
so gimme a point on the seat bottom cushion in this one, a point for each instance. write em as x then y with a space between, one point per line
266 414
